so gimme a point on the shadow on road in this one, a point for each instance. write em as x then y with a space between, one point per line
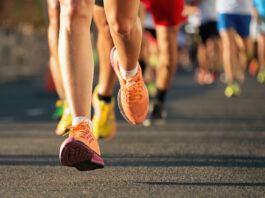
195 160
204 183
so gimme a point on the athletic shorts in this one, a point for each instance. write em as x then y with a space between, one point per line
239 22
208 30
261 25
99 3
166 12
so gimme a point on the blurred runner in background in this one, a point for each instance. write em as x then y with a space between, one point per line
259 15
168 19
209 48
104 120
233 24
63 111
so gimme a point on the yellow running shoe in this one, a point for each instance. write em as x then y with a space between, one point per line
104 121
237 89
66 120
261 75
232 90
229 91
59 109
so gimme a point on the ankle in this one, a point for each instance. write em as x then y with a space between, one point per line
106 99
78 119
128 73
160 95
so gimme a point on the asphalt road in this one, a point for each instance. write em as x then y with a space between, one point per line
210 147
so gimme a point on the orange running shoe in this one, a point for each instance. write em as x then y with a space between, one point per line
133 99
81 149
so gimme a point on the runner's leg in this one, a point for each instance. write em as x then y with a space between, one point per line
75 54
261 49
125 28
80 149
107 77
53 35
228 53
104 121
167 45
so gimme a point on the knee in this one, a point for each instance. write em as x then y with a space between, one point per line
210 45
261 39
201 49
227 40
165 60
104 31
54 12
101 23
227 45
122 29
164 48
121 26
76 10
53 4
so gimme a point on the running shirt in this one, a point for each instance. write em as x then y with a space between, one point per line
208 11
260 6
234 6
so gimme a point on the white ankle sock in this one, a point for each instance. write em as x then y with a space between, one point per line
79 119
127 73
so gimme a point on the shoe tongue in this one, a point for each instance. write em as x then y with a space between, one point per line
84 121
130 83
132 80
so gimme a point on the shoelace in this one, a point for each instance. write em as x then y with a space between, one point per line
80 130
133 92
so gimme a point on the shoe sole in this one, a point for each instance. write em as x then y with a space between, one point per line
121 108
234 95
76 154
148 123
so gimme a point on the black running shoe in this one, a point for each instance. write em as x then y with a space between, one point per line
157 114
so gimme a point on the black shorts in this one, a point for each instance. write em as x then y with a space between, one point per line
99 3
208 30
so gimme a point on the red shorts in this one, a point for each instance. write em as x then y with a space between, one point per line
166 12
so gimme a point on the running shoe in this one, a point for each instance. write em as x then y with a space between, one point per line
59 110
104 121
157 114
133 96
151 87
261 75
204 77
253 67
65 121
232 90
81 149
